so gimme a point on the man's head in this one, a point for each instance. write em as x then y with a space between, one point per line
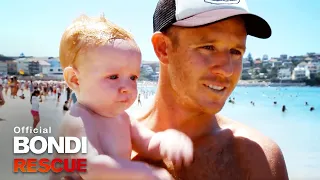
200 45
101 63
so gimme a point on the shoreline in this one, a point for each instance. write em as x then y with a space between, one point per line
241 83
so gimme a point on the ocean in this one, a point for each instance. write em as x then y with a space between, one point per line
296 131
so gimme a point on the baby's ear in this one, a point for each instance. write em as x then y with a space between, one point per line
70 76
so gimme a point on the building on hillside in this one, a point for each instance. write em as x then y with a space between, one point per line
34 67
283 57
301 72
308 59
275 62
287 64
266 64
55 70
297 59
153 64
155 76
313 68
22 65
12 67
257 63
44 67
3 68
147 69
284 74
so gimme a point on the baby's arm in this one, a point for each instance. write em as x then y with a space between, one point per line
171 144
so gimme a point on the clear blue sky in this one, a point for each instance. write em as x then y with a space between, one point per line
35 27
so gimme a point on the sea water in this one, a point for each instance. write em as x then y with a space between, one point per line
296 131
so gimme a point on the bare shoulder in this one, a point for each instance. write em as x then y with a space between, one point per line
258 153
71 125
127 118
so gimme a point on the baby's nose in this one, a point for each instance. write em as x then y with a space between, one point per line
123 90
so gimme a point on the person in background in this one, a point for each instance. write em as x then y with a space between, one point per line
2 101
73 99
35 107
68 90
66 106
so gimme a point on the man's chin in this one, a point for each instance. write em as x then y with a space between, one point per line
212 108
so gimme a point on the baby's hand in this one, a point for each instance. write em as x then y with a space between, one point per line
176 147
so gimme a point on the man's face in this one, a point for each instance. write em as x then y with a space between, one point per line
205 63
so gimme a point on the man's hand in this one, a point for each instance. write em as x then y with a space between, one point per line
175 146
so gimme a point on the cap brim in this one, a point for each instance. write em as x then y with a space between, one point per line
255 25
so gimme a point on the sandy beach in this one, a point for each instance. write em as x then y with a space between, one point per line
16 113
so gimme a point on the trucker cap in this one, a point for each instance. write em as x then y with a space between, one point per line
193 13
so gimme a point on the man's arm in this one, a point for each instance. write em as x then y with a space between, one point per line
266 160
278 165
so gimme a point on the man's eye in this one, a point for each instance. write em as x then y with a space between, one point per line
235 52
208 47
134 78
113 77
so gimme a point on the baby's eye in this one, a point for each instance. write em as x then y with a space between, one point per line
134 77
113 77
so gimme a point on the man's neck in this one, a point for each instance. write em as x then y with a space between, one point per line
166 113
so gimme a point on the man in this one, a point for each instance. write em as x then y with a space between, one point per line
200 45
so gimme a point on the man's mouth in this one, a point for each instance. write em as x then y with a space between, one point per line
215 87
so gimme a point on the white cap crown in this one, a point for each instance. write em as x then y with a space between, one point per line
188 8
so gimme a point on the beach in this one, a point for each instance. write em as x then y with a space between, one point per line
296 131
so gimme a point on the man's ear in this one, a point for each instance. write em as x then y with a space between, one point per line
160 46
70 76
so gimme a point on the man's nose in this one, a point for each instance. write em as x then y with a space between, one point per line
222 64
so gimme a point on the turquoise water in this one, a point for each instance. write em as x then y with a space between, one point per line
297 131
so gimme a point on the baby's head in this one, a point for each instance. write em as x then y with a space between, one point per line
101 63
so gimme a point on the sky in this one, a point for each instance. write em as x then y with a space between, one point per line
35 27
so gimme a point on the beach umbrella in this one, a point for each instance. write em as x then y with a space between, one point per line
21 71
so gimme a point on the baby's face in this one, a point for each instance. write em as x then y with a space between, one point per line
108 77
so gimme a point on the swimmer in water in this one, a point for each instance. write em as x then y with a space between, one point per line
284 108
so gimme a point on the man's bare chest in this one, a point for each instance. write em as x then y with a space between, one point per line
212 160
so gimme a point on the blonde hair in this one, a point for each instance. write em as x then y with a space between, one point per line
86 32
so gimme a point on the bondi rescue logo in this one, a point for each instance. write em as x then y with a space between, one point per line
222 1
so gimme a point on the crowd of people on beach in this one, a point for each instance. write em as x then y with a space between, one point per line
40 91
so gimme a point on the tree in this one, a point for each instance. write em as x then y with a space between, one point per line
317 79
245 77
263 70
250 59
274 73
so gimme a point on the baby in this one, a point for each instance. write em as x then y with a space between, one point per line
101 63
